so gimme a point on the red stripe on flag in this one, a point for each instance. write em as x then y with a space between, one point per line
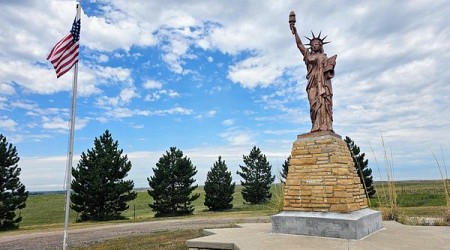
65 53
59 47
66 64
68 51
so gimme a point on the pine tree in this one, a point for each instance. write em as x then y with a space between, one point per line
99 191
257 175
285 170
361 165
12 192
218 187
171 185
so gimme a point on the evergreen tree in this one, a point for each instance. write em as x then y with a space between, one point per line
99 191
257 175
218 187
361 165
285 170
171 184
12 192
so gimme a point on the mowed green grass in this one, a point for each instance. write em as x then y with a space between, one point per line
46 211
413 193
414 198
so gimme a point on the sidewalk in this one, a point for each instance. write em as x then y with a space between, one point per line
259 236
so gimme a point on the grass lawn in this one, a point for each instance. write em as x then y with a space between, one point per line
46 212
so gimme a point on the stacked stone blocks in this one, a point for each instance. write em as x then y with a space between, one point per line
322 176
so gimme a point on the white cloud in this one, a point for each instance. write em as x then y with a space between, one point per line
209 113
162 92
103 58
25 105
115 74
254 71
177 48
3 102
228 122
238 137
39 138
152 84
115 31
138 126
101 119
54 123
7 123
124 112
171 93
152 97
36 79
7 89
27 78
60 125
105 101
127 94
175 110
212 113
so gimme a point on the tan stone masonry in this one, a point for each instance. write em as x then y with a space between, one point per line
322 176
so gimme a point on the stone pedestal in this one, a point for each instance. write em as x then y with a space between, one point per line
322 182
322 176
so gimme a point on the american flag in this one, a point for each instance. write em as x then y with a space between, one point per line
65 53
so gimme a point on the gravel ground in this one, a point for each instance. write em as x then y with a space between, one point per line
88 236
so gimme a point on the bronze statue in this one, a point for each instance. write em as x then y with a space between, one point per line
320 70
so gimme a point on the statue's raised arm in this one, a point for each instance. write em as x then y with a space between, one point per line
319 72
300 45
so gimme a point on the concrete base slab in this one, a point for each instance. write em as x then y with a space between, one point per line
259 236
354 225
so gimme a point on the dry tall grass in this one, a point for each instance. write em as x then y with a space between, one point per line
445 182
392 192
277 200
388 201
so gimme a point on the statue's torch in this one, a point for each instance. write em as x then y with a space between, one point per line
292 21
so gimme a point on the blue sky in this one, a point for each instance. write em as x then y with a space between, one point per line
218 77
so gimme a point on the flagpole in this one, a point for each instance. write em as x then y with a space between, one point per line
70 150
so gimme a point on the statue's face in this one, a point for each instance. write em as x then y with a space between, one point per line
316 45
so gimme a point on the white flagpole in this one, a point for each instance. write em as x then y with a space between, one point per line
70 151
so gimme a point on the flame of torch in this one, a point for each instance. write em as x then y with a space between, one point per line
292 21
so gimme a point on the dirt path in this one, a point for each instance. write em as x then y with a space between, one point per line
87 236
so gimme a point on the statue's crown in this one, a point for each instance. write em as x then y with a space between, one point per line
321 40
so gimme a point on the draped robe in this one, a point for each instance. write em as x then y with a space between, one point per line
320 93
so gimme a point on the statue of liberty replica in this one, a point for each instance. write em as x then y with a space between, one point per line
323 194
320 71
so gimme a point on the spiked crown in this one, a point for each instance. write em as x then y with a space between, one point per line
318 38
